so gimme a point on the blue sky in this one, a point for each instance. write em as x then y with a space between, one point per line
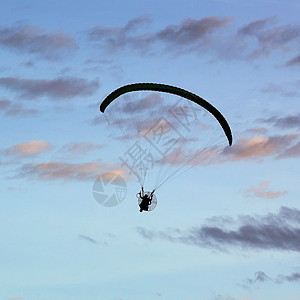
228 230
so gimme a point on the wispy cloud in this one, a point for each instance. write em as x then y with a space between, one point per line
285 90
31 148
34 40
254 40
4 104
286 122
75 149
187 34
294 277
19 110
11 109
267 232
56 170
261 191
269 37
260 277
291 152
60 88
91 240
87 238
295 61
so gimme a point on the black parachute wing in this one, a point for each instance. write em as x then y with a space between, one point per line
157 87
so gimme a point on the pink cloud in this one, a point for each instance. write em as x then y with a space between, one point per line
30 148
258 147
261 191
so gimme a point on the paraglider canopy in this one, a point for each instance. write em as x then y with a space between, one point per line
172 90
165 129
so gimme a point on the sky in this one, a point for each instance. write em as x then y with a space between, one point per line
227 229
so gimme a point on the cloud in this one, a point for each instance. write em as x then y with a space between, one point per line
11 109
286 122
76 149
286 89
294 277
31 148
91 240
274 88
19 110
61 88
258 147
268 37
291 152
4 104
191 31
87 238
295 61
279 231
34 40
188 33
258 277
261 191
253 40
261 277
257 130
56 170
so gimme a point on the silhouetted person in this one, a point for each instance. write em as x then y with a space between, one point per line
146 200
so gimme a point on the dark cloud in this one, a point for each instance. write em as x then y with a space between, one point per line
61 88
253 27
34 40
254 40
258 277
187 33
294 277
286 122
4 104
279 231
87 238
11 109
268 37
191 31
291 152
115 38
295 61
261 277
91 240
